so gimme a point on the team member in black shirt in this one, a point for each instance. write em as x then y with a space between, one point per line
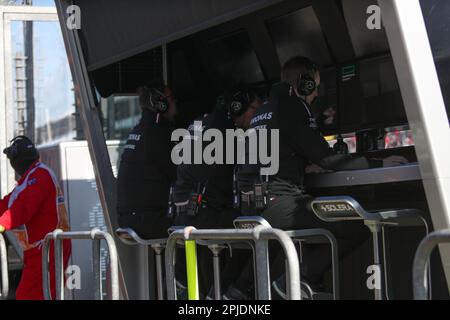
203 194
146 170
212 183
300 144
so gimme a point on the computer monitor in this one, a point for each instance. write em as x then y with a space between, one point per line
368 96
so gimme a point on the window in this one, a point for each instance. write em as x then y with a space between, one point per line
370 95
436 14
325 106
382 101
120 115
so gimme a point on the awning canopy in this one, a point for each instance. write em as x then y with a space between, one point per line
112 30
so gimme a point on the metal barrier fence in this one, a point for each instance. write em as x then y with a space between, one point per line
96 236
129 237
261 236
4 291
421 261
310 236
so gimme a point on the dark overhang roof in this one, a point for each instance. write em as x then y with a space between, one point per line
113 30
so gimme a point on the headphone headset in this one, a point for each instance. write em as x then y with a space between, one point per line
13 151
306 84
240 102
158 101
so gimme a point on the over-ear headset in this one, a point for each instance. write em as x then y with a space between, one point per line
26 151
240 101
306 84
158 101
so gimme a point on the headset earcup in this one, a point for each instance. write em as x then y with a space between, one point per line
235 108
240 103
163 106
14 152
306 85
158 101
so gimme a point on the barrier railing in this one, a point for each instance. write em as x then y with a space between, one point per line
260 235
310 236
96 236
421 261
4 269
129 237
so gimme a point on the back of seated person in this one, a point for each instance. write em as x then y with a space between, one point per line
285 205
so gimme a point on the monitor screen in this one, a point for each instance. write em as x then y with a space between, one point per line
369 96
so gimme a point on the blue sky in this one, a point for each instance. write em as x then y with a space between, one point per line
43 3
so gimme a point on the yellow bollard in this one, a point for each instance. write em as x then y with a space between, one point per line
191 268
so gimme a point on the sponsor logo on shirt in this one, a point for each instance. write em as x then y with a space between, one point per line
264 116
130 146
134 137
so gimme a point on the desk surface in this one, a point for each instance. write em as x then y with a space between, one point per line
404 173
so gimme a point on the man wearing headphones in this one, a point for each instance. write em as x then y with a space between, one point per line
213 183
146 170
203 194
283 202
36 205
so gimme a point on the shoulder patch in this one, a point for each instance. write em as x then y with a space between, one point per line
60 199
32 181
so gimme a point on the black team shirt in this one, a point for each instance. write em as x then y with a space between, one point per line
300 143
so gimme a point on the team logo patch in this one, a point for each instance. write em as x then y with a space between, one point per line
32 181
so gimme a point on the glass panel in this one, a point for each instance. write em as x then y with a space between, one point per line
383 105
53 86
299 33
325 105
373 99
18 88
120 115
437 20
51 93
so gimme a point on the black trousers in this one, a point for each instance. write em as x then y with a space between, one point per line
212 218
148 225
292 213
